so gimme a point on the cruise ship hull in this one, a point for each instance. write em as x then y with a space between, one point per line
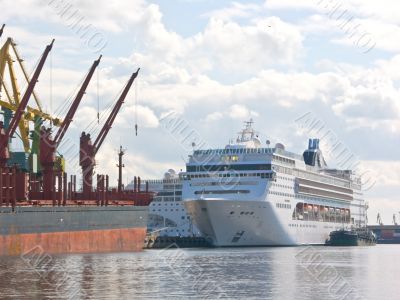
72 229
230 223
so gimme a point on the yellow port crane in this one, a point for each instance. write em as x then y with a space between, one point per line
12 99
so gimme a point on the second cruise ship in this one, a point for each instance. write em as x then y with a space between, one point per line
249 195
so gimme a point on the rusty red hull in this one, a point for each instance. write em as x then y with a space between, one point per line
72 229
92 241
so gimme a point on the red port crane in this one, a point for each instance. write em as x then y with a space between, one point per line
48 145
6 134
88 151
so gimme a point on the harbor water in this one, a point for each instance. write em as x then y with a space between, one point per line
220 273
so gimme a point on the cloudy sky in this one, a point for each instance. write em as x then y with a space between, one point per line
288 64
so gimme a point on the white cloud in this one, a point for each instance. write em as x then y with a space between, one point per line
142 114
215 116
387 173
241 112
108 15
368 22
251 47
135 165
237 112
224 44
236 10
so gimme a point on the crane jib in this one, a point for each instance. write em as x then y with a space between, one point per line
72 110
25 99
110 120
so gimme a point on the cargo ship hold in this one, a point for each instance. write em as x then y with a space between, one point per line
41 209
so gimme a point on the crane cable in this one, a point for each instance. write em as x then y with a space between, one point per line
92 128
136 106
98 98
51 88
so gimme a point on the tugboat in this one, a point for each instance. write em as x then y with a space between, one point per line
353 237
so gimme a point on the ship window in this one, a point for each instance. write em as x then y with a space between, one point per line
203 192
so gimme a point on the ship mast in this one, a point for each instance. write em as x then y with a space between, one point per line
120 166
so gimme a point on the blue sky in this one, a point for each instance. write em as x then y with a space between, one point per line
219 63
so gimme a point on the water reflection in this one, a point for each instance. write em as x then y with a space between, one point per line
245 273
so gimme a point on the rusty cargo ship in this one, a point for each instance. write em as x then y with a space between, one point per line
40 206
72 229
106 220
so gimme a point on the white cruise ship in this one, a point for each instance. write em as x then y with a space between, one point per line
250 195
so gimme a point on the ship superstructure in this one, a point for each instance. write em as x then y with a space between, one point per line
249 195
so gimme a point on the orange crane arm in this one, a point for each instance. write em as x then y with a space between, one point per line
110 120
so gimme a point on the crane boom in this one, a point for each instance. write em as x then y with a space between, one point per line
24 102
87 150
16 99
71 112
110 120
48 145
9 132
9 55
1 29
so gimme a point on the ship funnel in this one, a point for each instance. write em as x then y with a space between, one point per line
313 155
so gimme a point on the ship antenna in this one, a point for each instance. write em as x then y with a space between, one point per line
120 165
